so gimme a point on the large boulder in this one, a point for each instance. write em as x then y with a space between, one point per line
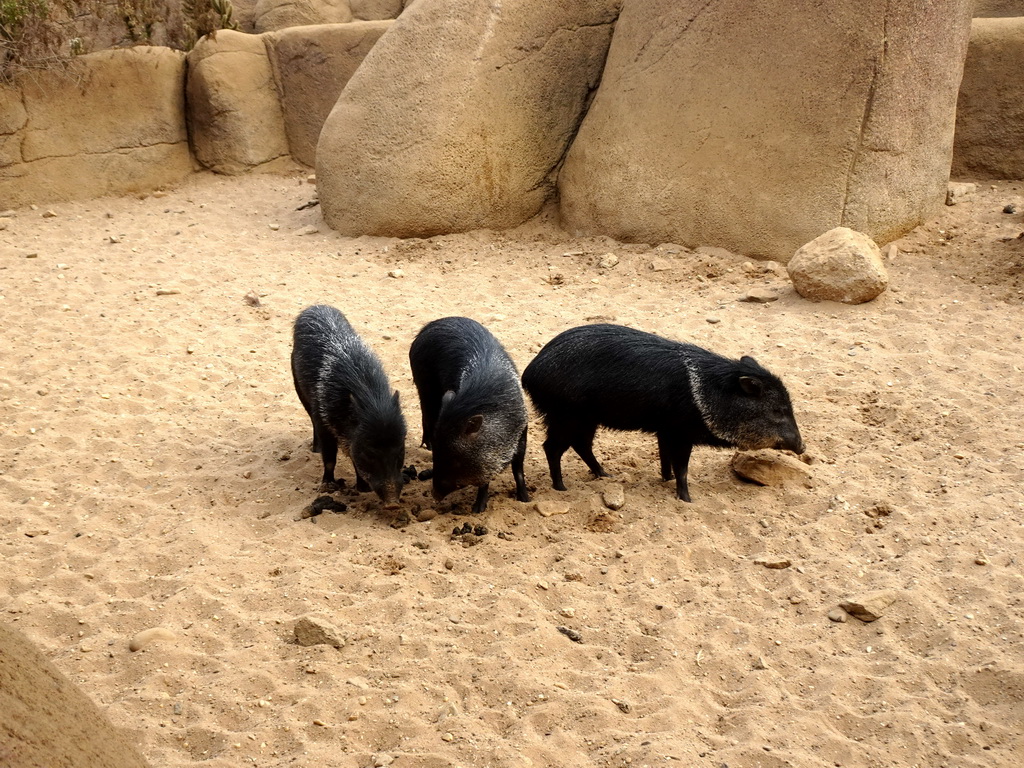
989 140
113 123
234 114
46 720
271 15
312 65
459 116
736 125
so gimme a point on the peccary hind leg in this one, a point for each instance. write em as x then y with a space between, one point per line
583 444
556 444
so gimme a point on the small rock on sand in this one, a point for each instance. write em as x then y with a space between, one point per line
613 497
869 606
309 631
767 467
149 636
551 508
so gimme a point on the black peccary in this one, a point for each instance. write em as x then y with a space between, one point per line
621 378
346 393
474 413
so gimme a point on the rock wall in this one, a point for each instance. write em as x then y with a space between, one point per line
989 142
113 123
46 720
723 123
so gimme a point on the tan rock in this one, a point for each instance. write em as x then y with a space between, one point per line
840 265
761 164
459 115
312 65
315 631
990 112
271 15
869 606
234 112
959 192
46 720
76 134
148 637
551 508
767 467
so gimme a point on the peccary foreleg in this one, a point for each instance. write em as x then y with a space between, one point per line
522 494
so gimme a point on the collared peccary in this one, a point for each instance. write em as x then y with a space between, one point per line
343 388
474 414
621 378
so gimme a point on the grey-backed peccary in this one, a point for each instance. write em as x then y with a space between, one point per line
343 387
474 413
621 378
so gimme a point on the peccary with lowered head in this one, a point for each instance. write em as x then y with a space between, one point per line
474 414
617 377
343 388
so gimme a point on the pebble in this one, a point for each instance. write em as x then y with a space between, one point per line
426 514
869 606
148 636
660 265
6 214
449 564
1009 208
624 706
713 320
321 723
572 634
311 179
49 214
981 560
614 497
551 508
760 663
167 291
760 296
608 261
309 631
567 612
773 562
31 255
39 532
396 273
448 737
309 229
381 759
274 227
838 615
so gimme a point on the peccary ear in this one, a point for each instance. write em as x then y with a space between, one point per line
473 425
748 360
751 385
396 398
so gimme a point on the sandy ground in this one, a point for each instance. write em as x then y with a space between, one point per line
154 461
